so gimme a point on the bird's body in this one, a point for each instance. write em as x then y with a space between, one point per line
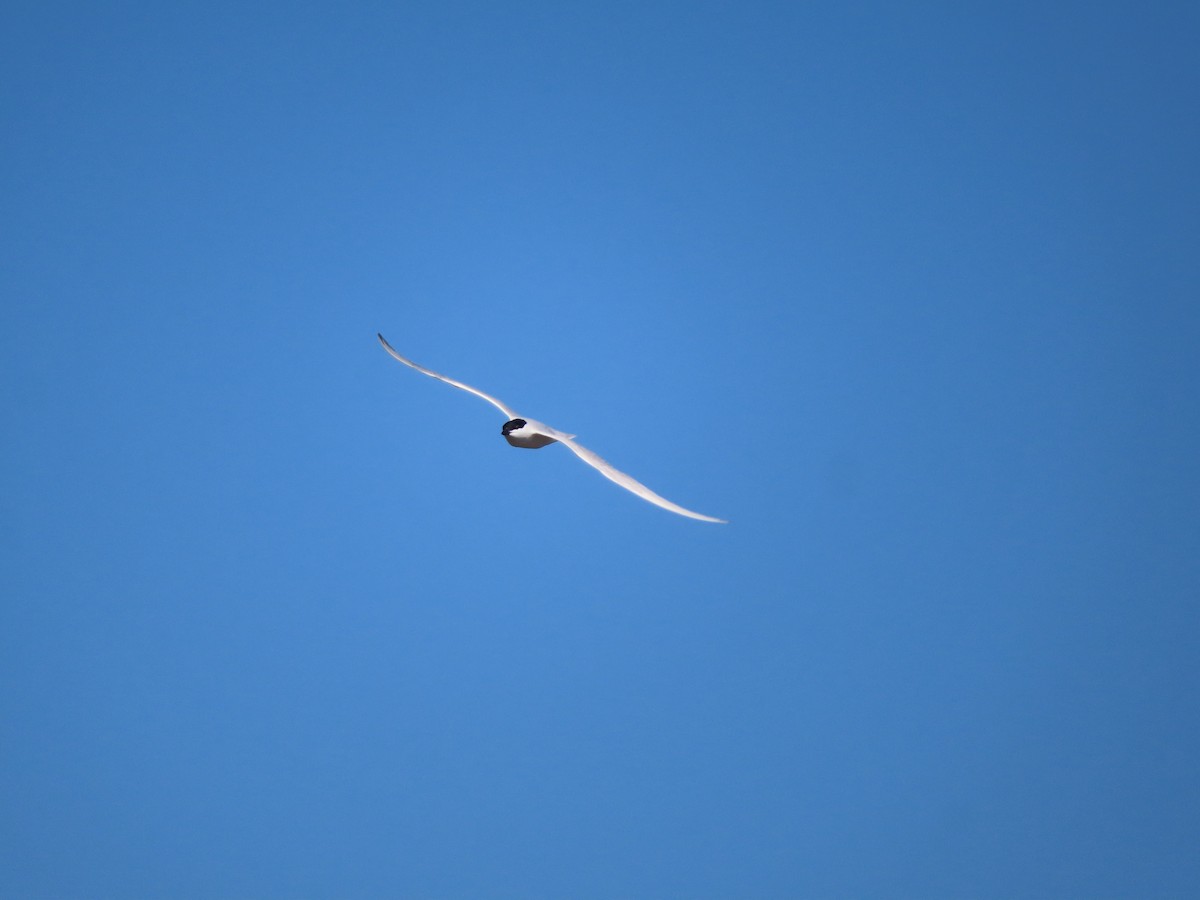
530 434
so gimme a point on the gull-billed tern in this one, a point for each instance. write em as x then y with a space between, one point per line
521 431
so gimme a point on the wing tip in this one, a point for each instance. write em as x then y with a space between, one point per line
390 349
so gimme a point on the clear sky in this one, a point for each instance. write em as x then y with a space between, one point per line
906 291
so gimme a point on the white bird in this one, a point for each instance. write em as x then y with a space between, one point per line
531 434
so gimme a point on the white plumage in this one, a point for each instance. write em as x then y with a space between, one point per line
530 434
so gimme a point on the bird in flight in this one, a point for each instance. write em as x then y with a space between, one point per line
528 433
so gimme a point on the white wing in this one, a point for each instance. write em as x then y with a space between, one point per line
458 384
625 481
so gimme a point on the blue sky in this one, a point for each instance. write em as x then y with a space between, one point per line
908 292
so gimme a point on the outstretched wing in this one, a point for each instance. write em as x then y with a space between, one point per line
458 384
630 484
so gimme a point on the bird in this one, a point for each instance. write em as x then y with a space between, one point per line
522 431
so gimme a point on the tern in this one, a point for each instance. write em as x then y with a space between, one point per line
522 431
